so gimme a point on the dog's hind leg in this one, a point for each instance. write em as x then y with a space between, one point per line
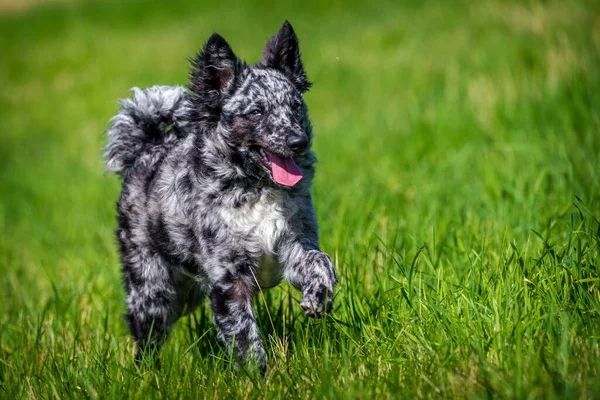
150 293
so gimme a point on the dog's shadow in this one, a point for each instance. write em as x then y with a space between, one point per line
201 333
278 316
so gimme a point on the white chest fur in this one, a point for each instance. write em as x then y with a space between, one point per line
260 224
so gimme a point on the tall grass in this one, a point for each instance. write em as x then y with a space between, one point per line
458 192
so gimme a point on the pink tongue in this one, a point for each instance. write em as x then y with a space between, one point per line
285 170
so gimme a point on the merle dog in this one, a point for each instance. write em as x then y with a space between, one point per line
216 195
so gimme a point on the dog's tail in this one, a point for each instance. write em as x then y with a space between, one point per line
147 121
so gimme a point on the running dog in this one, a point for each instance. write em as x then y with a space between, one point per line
216 195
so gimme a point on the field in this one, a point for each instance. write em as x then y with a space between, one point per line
458 192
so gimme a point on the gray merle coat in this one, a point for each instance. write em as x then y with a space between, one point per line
216 195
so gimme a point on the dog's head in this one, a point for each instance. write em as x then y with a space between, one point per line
258 110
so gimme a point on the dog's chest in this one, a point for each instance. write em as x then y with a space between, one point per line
259 225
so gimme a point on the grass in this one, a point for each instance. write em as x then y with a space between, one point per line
458 192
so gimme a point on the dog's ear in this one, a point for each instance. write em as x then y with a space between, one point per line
214 70
282 53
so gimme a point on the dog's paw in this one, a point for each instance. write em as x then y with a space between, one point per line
254 360
317 298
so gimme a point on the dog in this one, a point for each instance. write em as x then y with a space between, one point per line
216 197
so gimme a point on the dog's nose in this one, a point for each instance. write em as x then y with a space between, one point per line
297 143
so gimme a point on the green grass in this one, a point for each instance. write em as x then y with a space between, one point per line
458 192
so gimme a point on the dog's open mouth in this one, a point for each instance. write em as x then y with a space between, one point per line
283 169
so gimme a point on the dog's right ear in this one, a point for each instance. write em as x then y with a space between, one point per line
282 52
213 71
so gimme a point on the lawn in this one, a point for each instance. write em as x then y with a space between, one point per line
458 192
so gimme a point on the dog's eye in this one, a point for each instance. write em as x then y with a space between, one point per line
256 112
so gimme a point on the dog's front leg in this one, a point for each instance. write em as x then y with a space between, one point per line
231 301
310 270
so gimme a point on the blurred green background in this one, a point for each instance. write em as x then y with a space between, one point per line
458 191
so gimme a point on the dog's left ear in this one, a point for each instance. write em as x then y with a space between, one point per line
214 71
282 53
